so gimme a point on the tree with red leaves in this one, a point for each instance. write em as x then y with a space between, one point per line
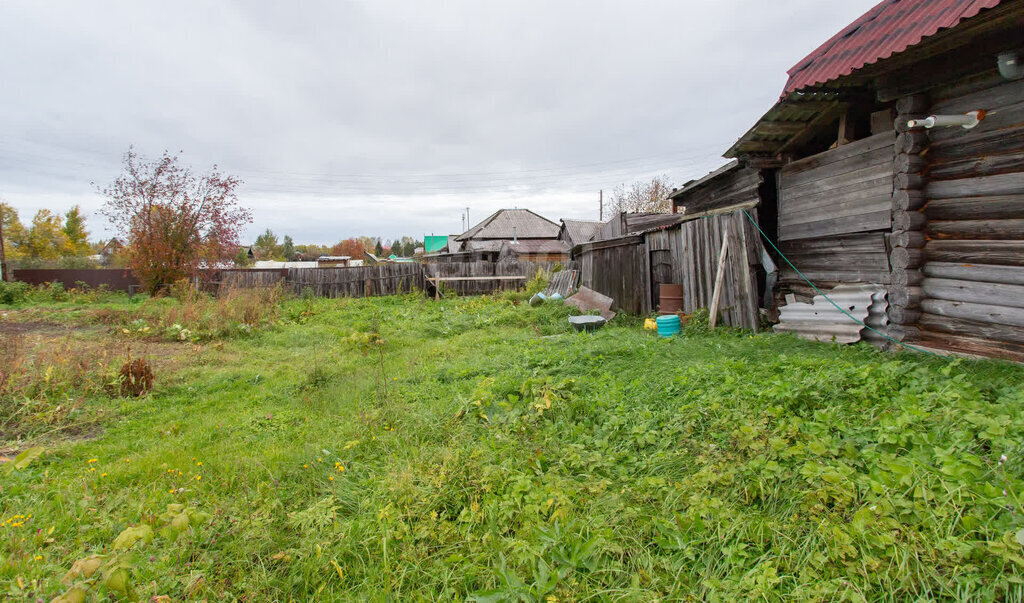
353 248
174 222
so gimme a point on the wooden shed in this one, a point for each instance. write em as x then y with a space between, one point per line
684 248
934 215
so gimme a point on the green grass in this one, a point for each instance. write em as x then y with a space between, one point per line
490 453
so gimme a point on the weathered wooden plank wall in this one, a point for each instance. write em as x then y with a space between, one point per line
835 209
972 294
734 188
626 268
617 268
696 245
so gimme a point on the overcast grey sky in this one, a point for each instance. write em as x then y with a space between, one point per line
389 118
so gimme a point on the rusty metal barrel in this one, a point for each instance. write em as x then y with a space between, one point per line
670 298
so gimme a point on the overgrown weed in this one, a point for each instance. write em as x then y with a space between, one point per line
191 315
54 385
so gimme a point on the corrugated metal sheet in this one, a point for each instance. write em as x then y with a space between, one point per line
821 321
506 223
878 319
564 283
888 28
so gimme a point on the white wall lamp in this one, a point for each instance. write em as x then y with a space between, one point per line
967 120
1009 66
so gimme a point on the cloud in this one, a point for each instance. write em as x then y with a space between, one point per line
385 118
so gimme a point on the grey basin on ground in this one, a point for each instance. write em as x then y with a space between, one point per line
586 323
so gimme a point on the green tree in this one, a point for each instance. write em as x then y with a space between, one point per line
74 230
378 249
266 246
15 235
46 238
288 248
242 258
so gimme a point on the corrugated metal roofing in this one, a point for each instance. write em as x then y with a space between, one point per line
580 231
506 223
821 321
889 28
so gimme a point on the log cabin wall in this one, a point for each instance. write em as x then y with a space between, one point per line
834 214
973 285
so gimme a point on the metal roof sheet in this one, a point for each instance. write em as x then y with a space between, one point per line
890 27
580 231
509 223
821 321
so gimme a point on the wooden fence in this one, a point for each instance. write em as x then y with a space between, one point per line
478 271
384 279
359 281
114 279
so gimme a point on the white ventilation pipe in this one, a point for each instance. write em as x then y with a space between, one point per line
1009 66
967 120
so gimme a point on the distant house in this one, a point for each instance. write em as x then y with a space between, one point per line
507 225
333 261
535 250
626 223
113 247
576 232
484 241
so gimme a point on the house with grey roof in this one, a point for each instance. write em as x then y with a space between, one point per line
575 232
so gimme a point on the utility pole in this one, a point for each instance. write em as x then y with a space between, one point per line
468 223
600 213
3 253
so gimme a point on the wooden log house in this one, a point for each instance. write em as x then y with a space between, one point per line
935 215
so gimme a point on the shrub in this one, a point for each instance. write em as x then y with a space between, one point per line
136 378
13 292
55 291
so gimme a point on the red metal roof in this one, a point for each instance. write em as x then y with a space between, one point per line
890 27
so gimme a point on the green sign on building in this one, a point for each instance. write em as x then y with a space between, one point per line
433 244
